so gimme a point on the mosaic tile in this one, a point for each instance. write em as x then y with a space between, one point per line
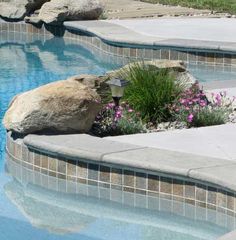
128 178
93 171
221 198
71 168
82 170
166 185
44 161
141 180
211 195
189 190
52 163
105 175
37 159
201 192
153 183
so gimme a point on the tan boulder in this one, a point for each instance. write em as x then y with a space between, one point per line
177 68
17 10
97 83
58 11
59 107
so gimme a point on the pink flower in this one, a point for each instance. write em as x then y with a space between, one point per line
110 105
190 118
118 114
202 103
218 99
130 110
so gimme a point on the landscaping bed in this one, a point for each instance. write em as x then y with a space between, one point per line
156 100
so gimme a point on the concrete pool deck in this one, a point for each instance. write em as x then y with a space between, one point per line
199 33
200 29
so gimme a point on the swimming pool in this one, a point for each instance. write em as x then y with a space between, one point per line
50 208
30 211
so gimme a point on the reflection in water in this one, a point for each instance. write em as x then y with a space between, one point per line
29 61
69 209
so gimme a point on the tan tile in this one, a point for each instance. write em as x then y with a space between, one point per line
201 193
128 178
190 190
82 170
116 176
71 168
153 183
166 185
52 163
105 174
178 188
44 161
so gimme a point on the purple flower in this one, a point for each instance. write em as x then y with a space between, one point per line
110 105
190 118
218 99
202 103
118 114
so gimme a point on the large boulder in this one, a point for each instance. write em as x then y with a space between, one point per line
58 11
176 68
17 10
62 107
97 83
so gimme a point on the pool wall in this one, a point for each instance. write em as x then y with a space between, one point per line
121 50
122 177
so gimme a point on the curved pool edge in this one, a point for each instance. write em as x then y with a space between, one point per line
82 146
117 34
150 172
126 45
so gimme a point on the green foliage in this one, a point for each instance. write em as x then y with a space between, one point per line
130 124
209 116
150 91
215 5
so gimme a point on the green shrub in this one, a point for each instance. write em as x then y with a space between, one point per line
151 90
209 116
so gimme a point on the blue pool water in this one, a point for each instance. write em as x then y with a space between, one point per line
29 211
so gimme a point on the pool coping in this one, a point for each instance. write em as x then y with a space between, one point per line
196 167
119 35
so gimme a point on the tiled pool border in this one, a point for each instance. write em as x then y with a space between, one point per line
130 51
123 178
158 202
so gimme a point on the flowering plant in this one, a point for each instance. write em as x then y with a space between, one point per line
197 109
112 121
